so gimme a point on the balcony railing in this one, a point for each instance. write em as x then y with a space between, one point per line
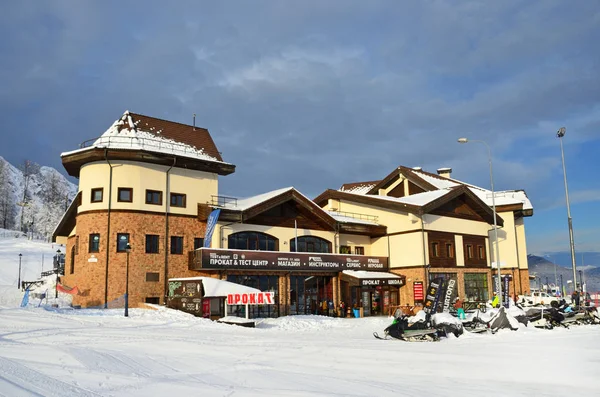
354 215
143 143
224 201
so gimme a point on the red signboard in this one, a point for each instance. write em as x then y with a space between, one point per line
206 308
418 290
259 298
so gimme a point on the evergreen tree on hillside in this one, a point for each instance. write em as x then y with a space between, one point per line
28 168
7 211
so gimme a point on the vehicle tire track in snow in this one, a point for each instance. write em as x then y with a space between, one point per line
106 362
18 380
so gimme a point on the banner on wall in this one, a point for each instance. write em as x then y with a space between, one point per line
450 294
211 222
433 295
418 291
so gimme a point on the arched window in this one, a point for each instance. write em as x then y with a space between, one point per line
310 244
253 241
72 260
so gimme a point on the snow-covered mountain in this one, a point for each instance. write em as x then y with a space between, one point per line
33 198
547 270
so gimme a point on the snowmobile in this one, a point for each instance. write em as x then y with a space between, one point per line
418 331
476 325
546 318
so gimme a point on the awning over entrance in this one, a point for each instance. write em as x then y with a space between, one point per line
215 288
366 279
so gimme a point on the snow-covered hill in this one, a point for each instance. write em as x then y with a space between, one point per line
39 207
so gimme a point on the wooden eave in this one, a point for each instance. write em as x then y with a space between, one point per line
408 174
474 202
366 199
362 229
316 213
73 162
69 219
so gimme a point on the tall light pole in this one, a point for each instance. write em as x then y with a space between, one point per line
561 132
19 282
127 250
497 253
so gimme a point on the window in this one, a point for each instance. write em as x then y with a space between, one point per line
253 241
481 252
152 277
310 244
344 249
122 241
94 245
476 287
177 200
469 251
153 300
198 242
359 250
153 197
176 245
449 251
125 195
97 195
152 243
435 252
72 260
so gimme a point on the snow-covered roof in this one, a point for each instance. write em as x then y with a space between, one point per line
349 219
249 202
418 199
126 134
363 274
358 187
214 287
439 182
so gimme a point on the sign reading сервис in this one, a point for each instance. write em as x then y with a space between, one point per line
222 259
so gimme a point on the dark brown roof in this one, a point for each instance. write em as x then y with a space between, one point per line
352 185
194 136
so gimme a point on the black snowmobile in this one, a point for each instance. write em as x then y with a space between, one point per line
418 331
546 318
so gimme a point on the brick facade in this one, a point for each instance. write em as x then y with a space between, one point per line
89 271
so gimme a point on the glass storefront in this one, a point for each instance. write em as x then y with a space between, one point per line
263 283
311 295
476 287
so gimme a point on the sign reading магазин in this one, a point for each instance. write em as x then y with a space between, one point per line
220 259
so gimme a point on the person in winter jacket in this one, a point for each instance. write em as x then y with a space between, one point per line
496 300
458 305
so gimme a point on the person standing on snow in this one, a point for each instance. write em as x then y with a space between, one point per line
458 305
496 300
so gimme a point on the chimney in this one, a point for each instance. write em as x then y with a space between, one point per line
444 172
194 121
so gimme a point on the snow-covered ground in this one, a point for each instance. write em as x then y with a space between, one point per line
67 352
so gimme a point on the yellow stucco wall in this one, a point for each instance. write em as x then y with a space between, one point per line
395 221
522 242
455 225
284 234
198 186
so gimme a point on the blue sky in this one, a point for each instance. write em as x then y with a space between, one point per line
318 93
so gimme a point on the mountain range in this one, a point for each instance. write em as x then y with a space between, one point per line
547 272
33 198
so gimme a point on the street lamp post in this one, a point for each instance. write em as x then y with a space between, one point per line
56 270
19 282
560 134
127 250
497 253
562 288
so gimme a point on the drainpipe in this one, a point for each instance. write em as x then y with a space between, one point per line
424 251
518 261
167 203
107 227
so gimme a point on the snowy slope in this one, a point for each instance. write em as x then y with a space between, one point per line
89 352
